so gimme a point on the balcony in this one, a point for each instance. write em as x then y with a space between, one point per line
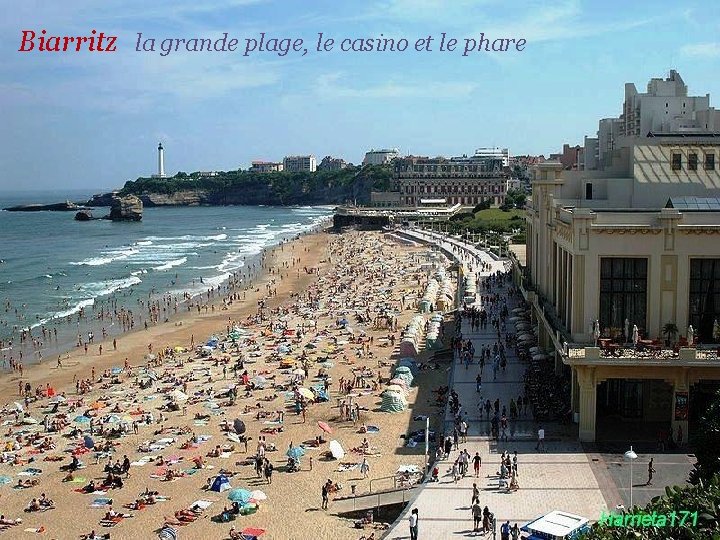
642 355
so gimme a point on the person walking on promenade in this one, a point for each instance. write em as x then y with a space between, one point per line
486 520
505 531
515 532
477 516
477 461
478 383
651 471
540 447
456 470
413 524
475 495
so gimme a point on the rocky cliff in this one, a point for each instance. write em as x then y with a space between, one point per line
126 208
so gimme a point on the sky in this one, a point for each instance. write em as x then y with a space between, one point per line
93 120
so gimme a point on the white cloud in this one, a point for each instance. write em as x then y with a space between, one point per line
702 50
330 86
560 21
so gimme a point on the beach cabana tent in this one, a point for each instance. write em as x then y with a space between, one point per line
220 484
404 373
409 363
393 402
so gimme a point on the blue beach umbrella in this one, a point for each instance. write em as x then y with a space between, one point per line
81 419
89 443
296 452
239 495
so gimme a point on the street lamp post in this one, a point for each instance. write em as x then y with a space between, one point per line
632 456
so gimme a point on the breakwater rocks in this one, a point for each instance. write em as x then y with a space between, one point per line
66 206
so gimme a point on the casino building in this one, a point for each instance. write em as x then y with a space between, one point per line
623 279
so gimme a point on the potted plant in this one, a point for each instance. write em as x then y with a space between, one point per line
670 331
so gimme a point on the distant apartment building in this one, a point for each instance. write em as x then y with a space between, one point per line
330 163
300 163
494 153
381 157
571 157
460 180
266 167
664 108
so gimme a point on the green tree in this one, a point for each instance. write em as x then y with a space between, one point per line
706 443
703 498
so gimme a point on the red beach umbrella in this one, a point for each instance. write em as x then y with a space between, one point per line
324 426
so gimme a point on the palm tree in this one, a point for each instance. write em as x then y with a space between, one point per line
670 331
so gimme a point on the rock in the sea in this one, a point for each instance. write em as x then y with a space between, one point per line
83 215
126 208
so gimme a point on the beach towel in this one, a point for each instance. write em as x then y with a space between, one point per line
344 467
30 472
201 503
373 429
96 492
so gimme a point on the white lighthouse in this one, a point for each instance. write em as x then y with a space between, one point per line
161 161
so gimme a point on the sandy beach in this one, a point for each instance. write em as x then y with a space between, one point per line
333 308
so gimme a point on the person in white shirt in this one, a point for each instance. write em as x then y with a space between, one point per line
413 519
541 440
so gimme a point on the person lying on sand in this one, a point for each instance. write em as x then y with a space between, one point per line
23 484
92 535
11 522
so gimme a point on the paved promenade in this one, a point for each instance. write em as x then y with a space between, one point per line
559 479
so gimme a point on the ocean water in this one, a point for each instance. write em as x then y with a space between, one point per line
53 266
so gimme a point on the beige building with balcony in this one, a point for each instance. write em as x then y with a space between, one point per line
634 244
466 181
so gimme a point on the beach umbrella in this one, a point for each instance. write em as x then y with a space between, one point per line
81 419
306 393
240 495
258 495
239 426
260 381
113 419
168 533
324 426
58 399
296 452
5 480
343 322
88 442
300 372
179 395
19 407
336 450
